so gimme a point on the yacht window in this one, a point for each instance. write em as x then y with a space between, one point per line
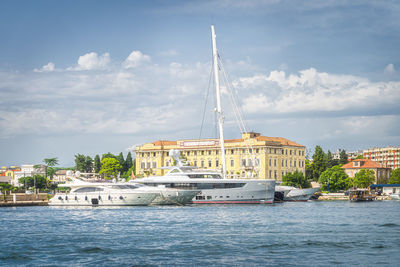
88 189
209 197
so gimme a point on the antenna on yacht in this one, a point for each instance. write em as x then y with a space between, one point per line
218 93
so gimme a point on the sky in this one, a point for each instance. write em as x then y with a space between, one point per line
91 77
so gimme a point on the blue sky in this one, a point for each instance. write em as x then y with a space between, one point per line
92 77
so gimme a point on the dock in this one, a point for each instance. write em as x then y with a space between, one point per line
20 199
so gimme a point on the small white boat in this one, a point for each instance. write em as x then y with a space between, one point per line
103 194
290 193
395 196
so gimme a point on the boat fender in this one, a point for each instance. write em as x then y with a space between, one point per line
121 197
109 197
59 198
76 198
85 197
99 197
66 197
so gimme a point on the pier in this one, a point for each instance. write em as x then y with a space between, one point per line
20 199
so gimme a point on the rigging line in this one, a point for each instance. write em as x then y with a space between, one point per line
239 117
205 102
234 101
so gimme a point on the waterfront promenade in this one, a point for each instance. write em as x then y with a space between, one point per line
20 199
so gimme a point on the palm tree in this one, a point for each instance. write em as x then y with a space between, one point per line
51 162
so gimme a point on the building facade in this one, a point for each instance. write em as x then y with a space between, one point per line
382 174
386 157
252 156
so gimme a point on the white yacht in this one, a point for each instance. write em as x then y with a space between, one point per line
213 188
103 194
290 193
395 196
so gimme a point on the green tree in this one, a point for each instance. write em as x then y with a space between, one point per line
329 160
364 178
309 170
128 162
110 168
97 164
395 177
335 178
83 163
5 188
108 155
121 160
36 181
343 158
296 179
319 162
50 163
359 157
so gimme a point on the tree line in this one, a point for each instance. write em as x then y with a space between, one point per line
109 166
327 171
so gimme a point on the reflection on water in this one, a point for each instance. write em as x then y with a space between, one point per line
301 234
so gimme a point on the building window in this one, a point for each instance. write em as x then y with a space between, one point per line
275 175
154 154
250 162
216 152
148 165
250 151
209 152
286 163
270 162
232 151
286 151
294 162
257 150
290 152
195 153
209 163
243 162
232 163
195 163
257 162
142 165
154 165
167 163
216 163
282 163
202 152
202 163
275 162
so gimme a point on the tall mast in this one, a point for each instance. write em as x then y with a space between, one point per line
218 93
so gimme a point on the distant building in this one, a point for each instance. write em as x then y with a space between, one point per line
350 155
386 156
252 155
28 170
382 174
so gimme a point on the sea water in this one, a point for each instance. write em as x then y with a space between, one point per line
290 234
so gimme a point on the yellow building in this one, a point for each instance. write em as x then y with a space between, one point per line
251 156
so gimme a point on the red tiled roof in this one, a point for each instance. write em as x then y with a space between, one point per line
367 164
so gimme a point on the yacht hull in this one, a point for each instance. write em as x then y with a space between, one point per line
103 199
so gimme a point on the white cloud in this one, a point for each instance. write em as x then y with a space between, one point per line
135 59
92 61
314 91
46 68
389 69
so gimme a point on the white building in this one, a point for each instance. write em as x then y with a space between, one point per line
28 170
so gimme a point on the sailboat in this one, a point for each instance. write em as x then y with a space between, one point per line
214 187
